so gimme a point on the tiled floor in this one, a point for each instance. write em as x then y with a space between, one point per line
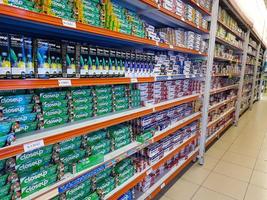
235 166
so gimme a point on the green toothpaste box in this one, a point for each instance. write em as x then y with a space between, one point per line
37 176
94 137
55 121
4 190
57 111
122 143
79 115
60 104
27 157
18 109
81 93
52 96
38 186
25 99
27 127
97 147
85 186
106 186
33 165
5 65
93 196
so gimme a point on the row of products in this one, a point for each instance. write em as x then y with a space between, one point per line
154 175
217 126
222 33
178 37
221 51
22 57
226 68
219 82
26 111
218 112
222 96
29 172
187 12
167 90
249 70
253 43
230 22
251 60
252 51
163 119
169 64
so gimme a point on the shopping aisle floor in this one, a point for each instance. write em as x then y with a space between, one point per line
235 166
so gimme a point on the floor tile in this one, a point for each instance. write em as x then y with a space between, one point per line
245 151
233 171
225 185
197 174
184 189
206 194
259 178
239 159
210 162
261 165
215 152
256 193
164 198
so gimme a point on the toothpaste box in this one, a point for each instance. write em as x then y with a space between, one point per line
42 58
84 61
55 56
70 60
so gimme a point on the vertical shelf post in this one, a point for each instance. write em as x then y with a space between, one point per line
206 95
255 77
262 72
241 81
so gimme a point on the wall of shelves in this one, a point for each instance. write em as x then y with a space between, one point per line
220 79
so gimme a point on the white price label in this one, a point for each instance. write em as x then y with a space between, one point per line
171 46
33 145
68 23
198 4
134 80
182 19
148 171
157 43
162 185
64 83
187 76
159 6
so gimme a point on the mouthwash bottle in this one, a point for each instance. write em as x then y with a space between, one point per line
42 55
92 62
113 63
70 60
84 61
55 56
17 56
5 65
29 57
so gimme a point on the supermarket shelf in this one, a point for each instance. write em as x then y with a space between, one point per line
200 8
229 75
218 58
115 194
165 15
74 82
251 54
165 179
222 116
255 48
222 103
57 134
36 23
223 41
231 30
113 157
215 135
214 91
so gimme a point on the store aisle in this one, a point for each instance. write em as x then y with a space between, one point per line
235 166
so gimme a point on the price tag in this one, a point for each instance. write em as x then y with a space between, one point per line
157 43
182 18
162 185
171 46
68 23
33 145
159 6
134 80
187 76
64 83
197 4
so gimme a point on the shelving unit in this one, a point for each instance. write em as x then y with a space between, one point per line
223 81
